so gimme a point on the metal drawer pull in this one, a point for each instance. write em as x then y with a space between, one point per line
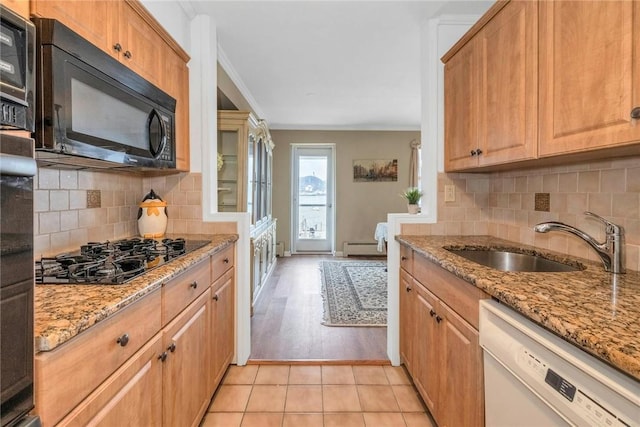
172 347
123 340
635 113
194 284
226 261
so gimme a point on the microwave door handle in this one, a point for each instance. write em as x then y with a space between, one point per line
163 132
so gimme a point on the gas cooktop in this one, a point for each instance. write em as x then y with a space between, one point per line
112 262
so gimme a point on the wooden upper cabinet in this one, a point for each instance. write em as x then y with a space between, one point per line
589 75
21 7
95 20
175 81
461 87
491 91
508 106
141 46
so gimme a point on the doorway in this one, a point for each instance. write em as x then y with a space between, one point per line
313 198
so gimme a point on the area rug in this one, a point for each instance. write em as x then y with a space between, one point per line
354 293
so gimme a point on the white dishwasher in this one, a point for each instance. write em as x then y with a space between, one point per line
534 378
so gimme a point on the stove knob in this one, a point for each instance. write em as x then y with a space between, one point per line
123 340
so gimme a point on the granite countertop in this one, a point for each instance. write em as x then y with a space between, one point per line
63 311
596 311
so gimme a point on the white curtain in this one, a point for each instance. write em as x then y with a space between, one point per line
414 164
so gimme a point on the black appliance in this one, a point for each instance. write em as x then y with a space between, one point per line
110 263
17 78
17 169
95 113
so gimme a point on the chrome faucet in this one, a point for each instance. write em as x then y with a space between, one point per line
611 252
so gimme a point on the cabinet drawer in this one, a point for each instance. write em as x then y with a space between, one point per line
184 289
222 261
66 375
406 258
461 296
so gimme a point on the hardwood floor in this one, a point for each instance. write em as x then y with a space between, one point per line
287 320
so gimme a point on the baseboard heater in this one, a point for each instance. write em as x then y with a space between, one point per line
361 248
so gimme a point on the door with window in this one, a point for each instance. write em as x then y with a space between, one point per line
312 193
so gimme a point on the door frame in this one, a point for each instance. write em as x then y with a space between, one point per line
332 185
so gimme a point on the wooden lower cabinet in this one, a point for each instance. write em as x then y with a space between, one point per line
439 343
185 383
132 396
461 383
222 326
133 369
407 319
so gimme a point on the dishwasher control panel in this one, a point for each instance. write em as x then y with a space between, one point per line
581 403
532 374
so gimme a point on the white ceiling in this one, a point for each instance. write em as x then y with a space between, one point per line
329 64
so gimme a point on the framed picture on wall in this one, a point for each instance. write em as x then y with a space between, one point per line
375 170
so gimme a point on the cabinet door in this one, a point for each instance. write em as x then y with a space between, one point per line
142 46
175 81
428 349
461 87
508 106
185 378
222 326
461 388
132 396
95 20
407 319
589 75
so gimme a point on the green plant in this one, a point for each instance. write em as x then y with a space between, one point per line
412 194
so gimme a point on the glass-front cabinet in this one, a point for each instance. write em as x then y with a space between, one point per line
245 166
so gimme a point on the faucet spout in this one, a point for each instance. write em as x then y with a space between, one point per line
611 252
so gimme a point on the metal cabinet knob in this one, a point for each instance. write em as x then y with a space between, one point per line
635 113
226 261
163 356
478 152
172 347
216 297
123 340
408 289
473 152
403 258
432 313
117 47
194 285
127 55
438 319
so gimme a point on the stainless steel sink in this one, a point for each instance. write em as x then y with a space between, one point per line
514 261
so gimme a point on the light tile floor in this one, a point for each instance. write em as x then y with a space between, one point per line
316 396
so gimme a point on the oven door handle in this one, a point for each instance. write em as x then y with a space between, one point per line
11 164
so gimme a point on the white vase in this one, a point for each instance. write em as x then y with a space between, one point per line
413 209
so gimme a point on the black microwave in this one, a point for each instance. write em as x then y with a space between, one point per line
95 113
17 72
